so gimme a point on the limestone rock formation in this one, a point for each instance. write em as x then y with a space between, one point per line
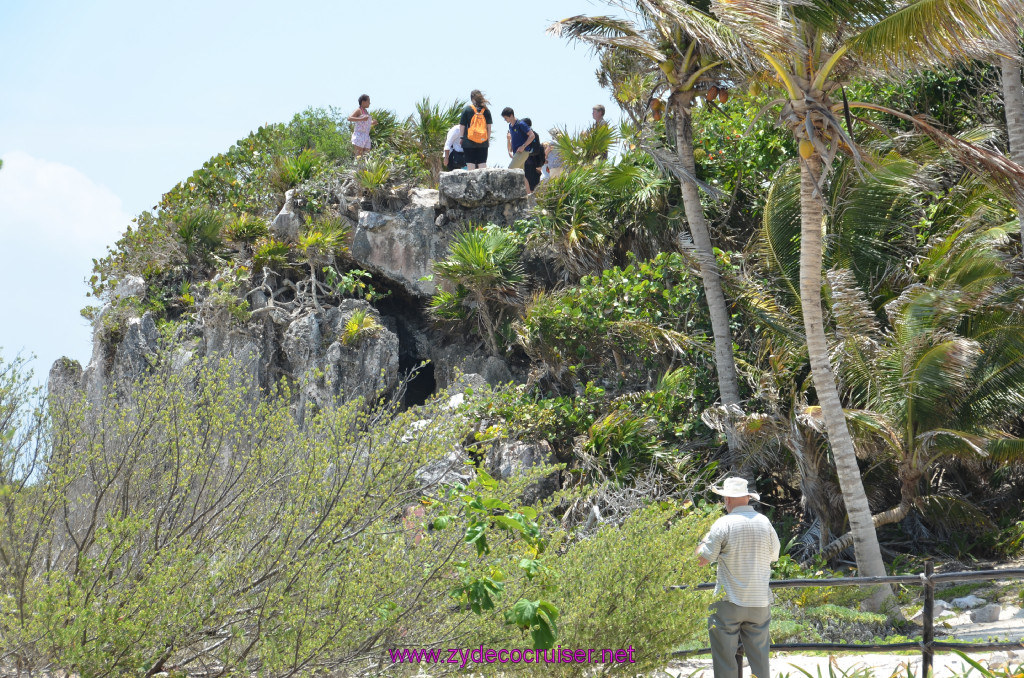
287 223
331 366
510 459
272 326
403 246
480 196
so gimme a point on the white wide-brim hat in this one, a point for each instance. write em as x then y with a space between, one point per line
735 487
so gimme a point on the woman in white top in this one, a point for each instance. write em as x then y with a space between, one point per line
363 121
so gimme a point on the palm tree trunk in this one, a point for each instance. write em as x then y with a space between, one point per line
1013 102
893 515
725 365
865 541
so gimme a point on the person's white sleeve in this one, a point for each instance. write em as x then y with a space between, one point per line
454 138
776 547
711 546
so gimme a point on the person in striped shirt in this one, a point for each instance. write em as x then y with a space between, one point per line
744 544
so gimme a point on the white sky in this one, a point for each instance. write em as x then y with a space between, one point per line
105 105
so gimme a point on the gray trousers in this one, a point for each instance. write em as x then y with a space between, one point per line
728 625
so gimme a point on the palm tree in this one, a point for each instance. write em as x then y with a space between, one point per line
810 49
1013 102
944 381
428 128
484 268
680 43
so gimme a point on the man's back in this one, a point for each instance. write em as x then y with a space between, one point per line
744 544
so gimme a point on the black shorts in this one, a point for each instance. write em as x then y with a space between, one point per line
476 156
456 160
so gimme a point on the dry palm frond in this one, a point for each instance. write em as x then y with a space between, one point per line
763 25
711 34
1002 172
668 162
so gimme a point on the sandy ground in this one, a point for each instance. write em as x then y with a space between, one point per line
1009 628
883 665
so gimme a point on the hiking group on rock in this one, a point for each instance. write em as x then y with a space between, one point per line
467 143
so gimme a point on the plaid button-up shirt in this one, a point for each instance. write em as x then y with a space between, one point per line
744 544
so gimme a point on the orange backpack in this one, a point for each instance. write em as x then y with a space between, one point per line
477 131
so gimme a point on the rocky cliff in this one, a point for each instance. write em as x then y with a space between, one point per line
288 333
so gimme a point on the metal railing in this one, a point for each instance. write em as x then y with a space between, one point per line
928 645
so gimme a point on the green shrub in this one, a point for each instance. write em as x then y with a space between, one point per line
325 130
147 249
246 229
206 522
627 324
361 324
271 254
608 597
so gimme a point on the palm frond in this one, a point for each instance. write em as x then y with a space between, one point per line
953 514
780 228
582 27
1003 174
927 33
669 163
1006 450
878 426
937 443
873 218
763 25
711 35
936 378
605 32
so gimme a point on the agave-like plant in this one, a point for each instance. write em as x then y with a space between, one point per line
290 171
199 232
246 229
428 128
373 178
572 223
484 262
270 254
359 325
586 147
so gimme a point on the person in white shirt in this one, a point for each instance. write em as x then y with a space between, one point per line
744 544
454 157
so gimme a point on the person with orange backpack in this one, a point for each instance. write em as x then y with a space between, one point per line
475 124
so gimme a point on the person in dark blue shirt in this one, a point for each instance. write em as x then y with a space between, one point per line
521 142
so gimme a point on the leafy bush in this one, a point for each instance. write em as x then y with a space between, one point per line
610 598
246 229
623 326
270 253
326 131
147 250
205 525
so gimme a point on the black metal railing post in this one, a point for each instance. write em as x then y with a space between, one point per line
928 633
739 661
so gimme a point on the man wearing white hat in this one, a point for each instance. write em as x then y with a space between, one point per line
744 544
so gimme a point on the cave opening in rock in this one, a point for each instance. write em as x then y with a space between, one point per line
414 367
421 383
